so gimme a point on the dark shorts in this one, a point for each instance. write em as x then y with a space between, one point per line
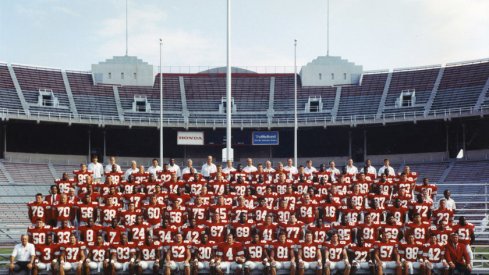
19 266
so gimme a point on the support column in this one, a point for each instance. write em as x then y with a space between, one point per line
4 140
349 144
464 147
447 148
105 147
89 145
364 145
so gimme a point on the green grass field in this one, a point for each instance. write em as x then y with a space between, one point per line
4 258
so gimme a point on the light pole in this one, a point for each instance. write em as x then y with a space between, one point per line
228 83
161 107
295 102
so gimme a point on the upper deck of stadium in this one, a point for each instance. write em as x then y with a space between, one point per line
259 99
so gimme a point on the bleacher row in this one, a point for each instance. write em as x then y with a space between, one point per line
460 86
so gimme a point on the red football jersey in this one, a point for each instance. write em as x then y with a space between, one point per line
154 213
443 215
435 253
98 253
38 235
441 235
217 231
38 210
64 186
89 234
398 213
420 231
282 251
294 232
199 213
64 212
129 217
392 230
335 251
47 253
242 231
422 209
267 231
138 232
87 211
192 234
113 235
282 215
344 231
260 212
307 212
176 217
320 234
464 232
368 231
81 177
309 251
255 251
361 253
229 252
166 234
330 211
196 187
109 213
63 234
149 252
410 252
386 250
178 251
72 252
204 252
123 252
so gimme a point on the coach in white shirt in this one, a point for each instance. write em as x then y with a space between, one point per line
23 256
334 172
450 203
188 169
108 167
291 168
133 169
97 168
370 169
249 168
350 168
268 167
174 168
309 169
208 168
154 168
387 166
229 167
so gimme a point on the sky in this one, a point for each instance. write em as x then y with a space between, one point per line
378 34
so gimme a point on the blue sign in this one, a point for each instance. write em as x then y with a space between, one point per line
265 138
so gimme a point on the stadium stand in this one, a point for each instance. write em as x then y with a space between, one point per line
34 80
90 99
195 100
10 99
203 93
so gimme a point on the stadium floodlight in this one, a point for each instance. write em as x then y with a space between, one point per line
228 83
295 102
161 106
327 29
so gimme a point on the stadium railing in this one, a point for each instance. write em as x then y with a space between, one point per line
446 114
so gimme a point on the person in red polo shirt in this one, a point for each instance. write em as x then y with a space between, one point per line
457 256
